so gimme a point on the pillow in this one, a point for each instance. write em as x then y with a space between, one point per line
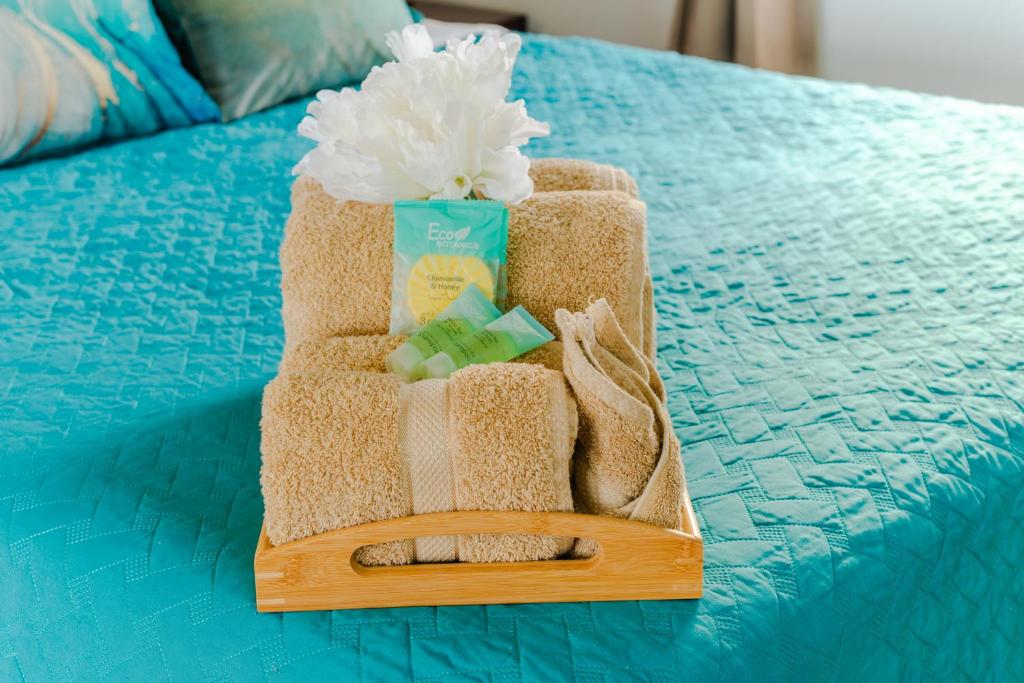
75 73
253 55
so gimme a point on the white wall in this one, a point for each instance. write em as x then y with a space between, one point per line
647 23
965 48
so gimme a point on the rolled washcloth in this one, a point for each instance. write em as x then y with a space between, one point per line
551 175
345 447
564 250
627 461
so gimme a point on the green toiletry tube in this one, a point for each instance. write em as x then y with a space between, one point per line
469 312
511 335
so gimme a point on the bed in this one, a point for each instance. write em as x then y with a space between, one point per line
841 323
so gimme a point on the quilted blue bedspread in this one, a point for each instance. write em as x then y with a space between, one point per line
839 275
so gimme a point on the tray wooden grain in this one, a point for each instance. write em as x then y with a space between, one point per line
636 561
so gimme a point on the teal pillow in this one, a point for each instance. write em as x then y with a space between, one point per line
75 73
253 55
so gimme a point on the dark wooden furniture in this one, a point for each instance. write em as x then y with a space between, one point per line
513 21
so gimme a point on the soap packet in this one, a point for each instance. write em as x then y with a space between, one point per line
441 247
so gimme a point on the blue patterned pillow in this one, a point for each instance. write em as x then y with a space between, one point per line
253 55
79 71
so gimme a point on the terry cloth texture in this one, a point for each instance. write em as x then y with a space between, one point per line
367 352
565 249
339 448
627 461
552 175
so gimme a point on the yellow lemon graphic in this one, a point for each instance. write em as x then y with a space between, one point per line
437 279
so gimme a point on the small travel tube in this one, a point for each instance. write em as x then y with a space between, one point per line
511 335
468 313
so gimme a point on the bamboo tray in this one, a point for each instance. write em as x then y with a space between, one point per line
636 561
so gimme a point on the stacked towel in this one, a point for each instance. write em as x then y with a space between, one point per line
345 443
555 175
340 354
627 461
552 175
367 353
344 447
565 249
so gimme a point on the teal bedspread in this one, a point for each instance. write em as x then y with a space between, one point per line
839 275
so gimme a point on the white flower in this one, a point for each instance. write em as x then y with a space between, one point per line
431 125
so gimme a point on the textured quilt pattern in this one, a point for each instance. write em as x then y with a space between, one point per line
839 275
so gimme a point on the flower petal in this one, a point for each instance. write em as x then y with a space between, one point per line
432 124
506 176
411 43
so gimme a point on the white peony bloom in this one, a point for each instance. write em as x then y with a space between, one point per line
430 125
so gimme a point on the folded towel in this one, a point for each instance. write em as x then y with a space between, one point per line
565 249
553 174
627 461
367 353
575 174
347 447
556 175
340 354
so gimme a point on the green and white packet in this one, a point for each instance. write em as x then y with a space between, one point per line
441 246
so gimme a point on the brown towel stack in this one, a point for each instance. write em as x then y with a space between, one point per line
553 175
367 353
345 443
343 447
565 249
627 461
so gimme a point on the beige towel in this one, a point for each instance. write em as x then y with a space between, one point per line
627 461
347 447
367 352
575 174
339 354
565 249
556 175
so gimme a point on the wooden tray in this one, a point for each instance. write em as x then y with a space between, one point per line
636 561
